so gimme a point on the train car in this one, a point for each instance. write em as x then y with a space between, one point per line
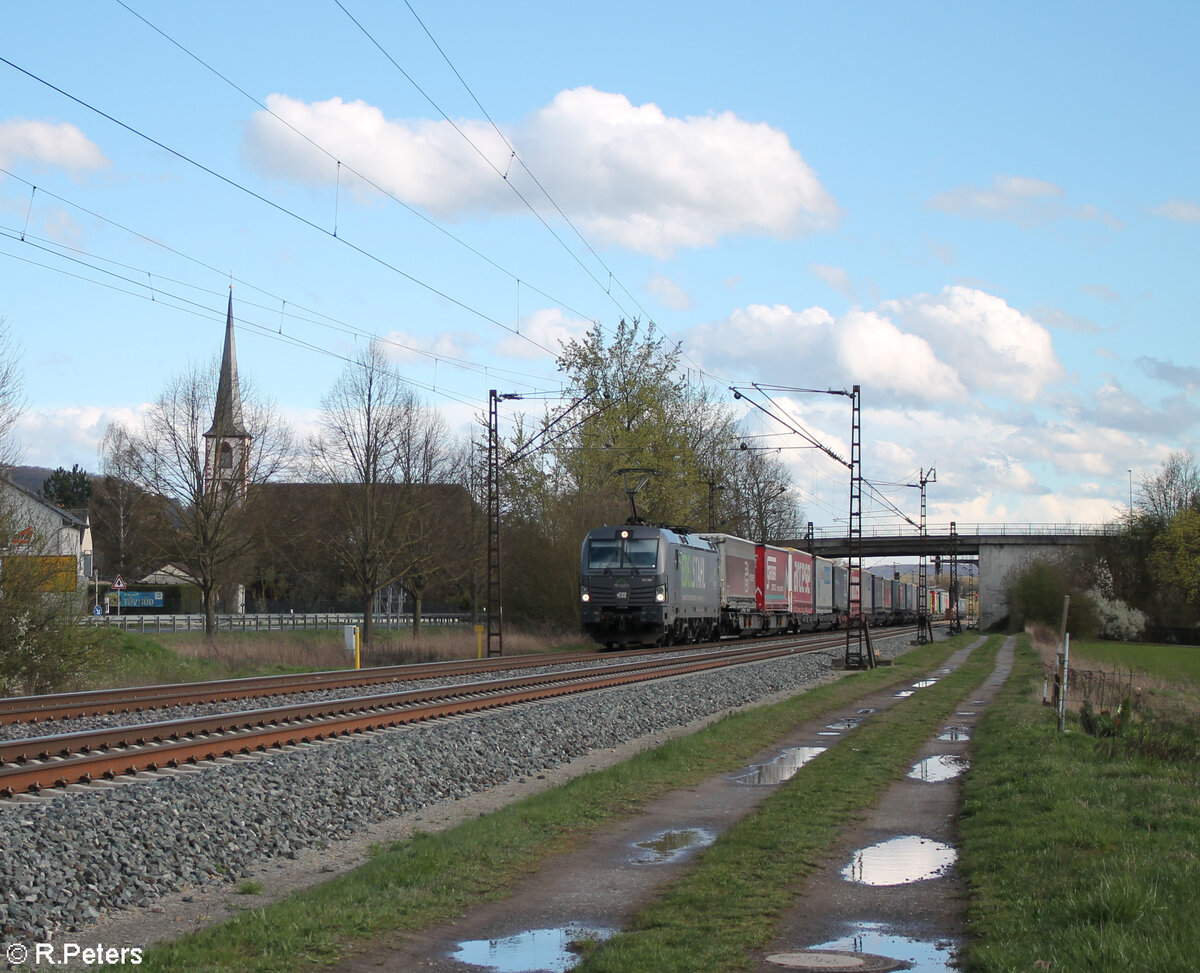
737 571
801 590
772 580
881 596
825 592
841 593
643 585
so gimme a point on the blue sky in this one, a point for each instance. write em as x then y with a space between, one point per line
986 215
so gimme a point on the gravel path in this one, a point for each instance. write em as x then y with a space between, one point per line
70 859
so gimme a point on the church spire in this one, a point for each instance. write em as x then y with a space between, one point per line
227 443
227 416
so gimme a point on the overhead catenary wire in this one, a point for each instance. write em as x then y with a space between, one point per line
279 207
340 164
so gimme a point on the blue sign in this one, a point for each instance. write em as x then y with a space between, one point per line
140 599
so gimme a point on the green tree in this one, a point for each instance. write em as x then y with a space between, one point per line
1035 596
70 490
1176 560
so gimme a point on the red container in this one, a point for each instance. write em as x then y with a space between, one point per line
800 583
771 578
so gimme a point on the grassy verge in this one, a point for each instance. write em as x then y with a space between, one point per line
141 659
432 878
1083 854
730 903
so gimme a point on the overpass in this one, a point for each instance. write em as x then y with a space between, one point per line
999 547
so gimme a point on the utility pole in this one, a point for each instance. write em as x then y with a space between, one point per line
923 478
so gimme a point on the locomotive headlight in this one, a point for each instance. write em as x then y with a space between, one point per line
583 594
660 593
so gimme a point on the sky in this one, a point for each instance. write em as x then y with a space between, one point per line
986 216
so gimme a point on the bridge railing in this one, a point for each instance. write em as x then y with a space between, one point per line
978 530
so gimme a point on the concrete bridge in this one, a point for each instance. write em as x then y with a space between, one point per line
999 547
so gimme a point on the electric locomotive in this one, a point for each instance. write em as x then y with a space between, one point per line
644 585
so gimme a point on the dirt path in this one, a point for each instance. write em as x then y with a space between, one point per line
598 887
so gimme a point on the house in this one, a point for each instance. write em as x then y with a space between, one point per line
59 541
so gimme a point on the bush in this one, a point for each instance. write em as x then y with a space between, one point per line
1117 621
1035 595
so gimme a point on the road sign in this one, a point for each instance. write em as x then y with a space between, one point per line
97 610
119 584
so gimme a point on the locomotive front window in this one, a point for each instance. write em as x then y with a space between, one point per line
633 552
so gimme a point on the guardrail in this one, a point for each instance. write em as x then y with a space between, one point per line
272 622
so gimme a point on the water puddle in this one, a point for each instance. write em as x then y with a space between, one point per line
965 712
900 861
555 950
924 684
867 710
903 694
782 768
849 723
670 846
874 938
954 733
936 769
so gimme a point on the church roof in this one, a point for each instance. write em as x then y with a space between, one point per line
227 415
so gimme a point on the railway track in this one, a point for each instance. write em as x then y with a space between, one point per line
36 763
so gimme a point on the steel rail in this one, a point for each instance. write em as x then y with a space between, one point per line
305 726
137 699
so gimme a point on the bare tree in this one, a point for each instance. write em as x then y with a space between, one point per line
115 504
1174 488
201 527
762 498
12 397
379 448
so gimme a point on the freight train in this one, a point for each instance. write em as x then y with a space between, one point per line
647 585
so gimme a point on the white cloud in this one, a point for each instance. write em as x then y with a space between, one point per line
69 435
992 346
1019 199
548 328
670 293
881 357
49 143
628 175
1178 209
835 277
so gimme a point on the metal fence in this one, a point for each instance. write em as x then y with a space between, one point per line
267 622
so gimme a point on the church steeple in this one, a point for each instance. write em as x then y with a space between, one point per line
227 443
227 416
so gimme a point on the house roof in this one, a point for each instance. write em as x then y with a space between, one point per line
69 519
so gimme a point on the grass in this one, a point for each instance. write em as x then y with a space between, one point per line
162 658
1169 663
729 904
1081 854
432 878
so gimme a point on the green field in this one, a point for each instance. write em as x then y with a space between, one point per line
1170 663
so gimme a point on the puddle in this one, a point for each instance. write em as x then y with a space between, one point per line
868 710
900 861
672 845
942 767
874 938
537 949
965 712
955 733
924 684
979 702
849 723
904 693
781 768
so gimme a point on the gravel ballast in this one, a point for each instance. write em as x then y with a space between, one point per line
68 860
